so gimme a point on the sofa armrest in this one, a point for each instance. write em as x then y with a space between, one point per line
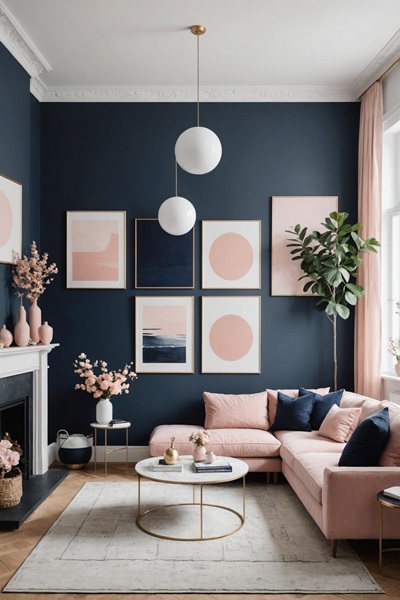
349 505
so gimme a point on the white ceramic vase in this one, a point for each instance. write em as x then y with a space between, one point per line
199 453
104 411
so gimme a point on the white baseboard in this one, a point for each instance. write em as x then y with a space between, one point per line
117 454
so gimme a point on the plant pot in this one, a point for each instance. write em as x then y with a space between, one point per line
10 491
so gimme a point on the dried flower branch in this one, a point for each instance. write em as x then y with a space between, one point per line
32 274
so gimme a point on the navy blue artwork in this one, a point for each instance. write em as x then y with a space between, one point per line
162 260
163 348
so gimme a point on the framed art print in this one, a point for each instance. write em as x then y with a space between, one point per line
162 260
10 220
96 249
164 334
231 334
287 212
231 254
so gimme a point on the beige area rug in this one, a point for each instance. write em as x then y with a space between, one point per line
96 546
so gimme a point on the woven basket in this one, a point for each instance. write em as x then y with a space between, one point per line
10 491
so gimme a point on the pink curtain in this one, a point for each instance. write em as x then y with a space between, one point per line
367 363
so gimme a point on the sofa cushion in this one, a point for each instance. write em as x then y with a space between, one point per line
236 410
293 413
370 407
295 443
339 423
310 467
390 456
322 405
160 438
351 399
273 399
244 443
367 442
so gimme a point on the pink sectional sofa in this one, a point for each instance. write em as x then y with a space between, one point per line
341 499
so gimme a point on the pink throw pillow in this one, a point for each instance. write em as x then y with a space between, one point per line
339 423
236 411
390 456
370 407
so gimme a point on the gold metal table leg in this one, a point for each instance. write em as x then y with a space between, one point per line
105 453
95 450
126 442
380 539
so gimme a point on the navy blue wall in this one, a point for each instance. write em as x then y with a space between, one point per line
120 156
20 160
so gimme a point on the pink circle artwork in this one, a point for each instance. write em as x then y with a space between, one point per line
231 337
6 221
231 256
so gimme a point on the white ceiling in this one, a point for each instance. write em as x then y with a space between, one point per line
253 49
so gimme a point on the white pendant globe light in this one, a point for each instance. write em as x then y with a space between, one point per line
198 150
177 215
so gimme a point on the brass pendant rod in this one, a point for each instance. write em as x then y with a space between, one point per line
176 178
198 81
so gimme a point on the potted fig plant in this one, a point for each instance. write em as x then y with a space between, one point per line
330 260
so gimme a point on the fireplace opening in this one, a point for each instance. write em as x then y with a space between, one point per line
16 415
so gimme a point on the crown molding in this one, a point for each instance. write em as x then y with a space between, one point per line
378 66
18 43
181 94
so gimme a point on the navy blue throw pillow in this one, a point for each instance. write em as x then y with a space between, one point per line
322 405
293 414
367 442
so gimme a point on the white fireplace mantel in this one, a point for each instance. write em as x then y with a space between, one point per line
32 359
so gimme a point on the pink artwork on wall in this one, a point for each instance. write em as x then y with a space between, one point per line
231 334
164 334
96 249
10 219
95 254
288 211
231 337
231 254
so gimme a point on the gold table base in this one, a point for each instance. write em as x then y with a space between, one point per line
200 505
385 569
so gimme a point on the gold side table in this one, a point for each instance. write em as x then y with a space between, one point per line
387 502
125 425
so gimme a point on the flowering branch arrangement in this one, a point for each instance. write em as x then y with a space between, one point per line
32 274
200 438
106 383
10 453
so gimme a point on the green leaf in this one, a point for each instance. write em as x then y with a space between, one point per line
307 286
350 298
297 229
302 233
343 311
345 274
357 290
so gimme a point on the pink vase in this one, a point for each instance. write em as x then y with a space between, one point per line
199 453
45 333
21 329
35 321
397 368
6 337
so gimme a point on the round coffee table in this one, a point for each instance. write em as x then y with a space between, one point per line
189 477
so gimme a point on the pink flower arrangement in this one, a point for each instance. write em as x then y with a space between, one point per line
32 274
200 438
9 459
107 383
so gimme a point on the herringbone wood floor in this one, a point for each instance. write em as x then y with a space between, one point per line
15 546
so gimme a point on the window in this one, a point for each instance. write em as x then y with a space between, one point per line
390 242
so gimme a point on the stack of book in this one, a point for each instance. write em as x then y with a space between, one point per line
161 465
218 466
393 492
